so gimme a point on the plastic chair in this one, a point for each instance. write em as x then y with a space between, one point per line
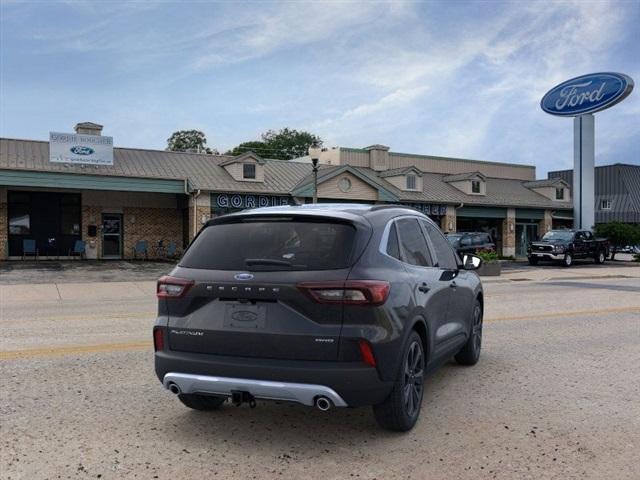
172 249
29 248
141 248
79 248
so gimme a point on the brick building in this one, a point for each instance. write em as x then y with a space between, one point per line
159 196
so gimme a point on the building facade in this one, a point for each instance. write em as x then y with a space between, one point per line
617 192
163 198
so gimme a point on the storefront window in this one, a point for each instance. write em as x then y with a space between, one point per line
19 218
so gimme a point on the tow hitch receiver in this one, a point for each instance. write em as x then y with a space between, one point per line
239 397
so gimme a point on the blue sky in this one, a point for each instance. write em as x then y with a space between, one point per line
461 79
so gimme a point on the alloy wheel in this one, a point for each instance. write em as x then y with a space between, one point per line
413 379
476 329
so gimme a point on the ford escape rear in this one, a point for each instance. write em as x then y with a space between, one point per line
321 305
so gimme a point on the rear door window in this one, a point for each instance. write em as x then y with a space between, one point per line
393 247
444 253
272 245
413 245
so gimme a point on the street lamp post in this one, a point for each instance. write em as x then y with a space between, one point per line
314 161
314 153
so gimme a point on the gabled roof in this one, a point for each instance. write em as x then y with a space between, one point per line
281 177
547 182
203 171
249 155
394 172
305 187
463 176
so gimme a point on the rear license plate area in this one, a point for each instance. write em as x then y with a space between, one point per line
245 316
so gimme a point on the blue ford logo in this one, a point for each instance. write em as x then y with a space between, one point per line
243 276
79 150
587 94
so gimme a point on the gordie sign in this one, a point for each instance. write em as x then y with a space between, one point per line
587 94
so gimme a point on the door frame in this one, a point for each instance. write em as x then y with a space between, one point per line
112 257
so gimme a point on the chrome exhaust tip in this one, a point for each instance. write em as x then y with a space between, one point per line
174 388
323 404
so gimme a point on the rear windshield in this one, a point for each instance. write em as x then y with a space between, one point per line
271 246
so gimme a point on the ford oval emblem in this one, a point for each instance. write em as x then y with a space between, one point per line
587 94
80 150
243 276
244 316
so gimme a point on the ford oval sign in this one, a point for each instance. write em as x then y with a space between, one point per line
79 150
587 94
243 276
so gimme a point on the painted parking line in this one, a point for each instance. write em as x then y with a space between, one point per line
64 318
74 350
573 313
132 346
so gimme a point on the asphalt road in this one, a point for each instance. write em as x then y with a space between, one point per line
555 395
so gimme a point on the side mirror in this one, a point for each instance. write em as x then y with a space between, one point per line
471 262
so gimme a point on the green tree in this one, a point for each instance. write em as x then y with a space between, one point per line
257 147
283 144
619 234
188 141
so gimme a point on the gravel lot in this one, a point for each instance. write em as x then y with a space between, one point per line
555 395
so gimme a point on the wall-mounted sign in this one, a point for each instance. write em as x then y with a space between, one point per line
241 200
85 149
587 94
427 209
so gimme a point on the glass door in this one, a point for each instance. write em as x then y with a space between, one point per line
111 235
525 233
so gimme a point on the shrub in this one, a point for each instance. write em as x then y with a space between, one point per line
488 257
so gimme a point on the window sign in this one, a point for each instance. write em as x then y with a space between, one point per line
80 149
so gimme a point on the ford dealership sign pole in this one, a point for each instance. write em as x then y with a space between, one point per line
580 97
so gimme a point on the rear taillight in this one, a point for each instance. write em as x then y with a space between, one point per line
171 287
158 339
367 353
352 292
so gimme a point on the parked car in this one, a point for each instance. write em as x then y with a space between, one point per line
566 245
471 242
326 306
628 249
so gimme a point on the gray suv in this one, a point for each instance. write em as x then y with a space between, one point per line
323 305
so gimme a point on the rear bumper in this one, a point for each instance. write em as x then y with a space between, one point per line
354 383
303 393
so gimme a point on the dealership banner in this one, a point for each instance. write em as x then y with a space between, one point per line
80 149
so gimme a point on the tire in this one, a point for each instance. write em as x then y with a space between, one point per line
600 257
469 354
568 260
533 261
201 402
400 411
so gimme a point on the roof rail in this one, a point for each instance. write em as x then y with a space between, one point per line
385 207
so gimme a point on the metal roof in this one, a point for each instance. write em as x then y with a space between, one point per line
547 182
463 176
281 177
201 170
620 184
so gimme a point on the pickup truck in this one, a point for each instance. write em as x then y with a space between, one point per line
566 245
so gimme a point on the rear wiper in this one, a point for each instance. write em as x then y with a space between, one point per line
267 261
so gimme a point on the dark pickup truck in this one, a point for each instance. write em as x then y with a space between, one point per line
566 245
